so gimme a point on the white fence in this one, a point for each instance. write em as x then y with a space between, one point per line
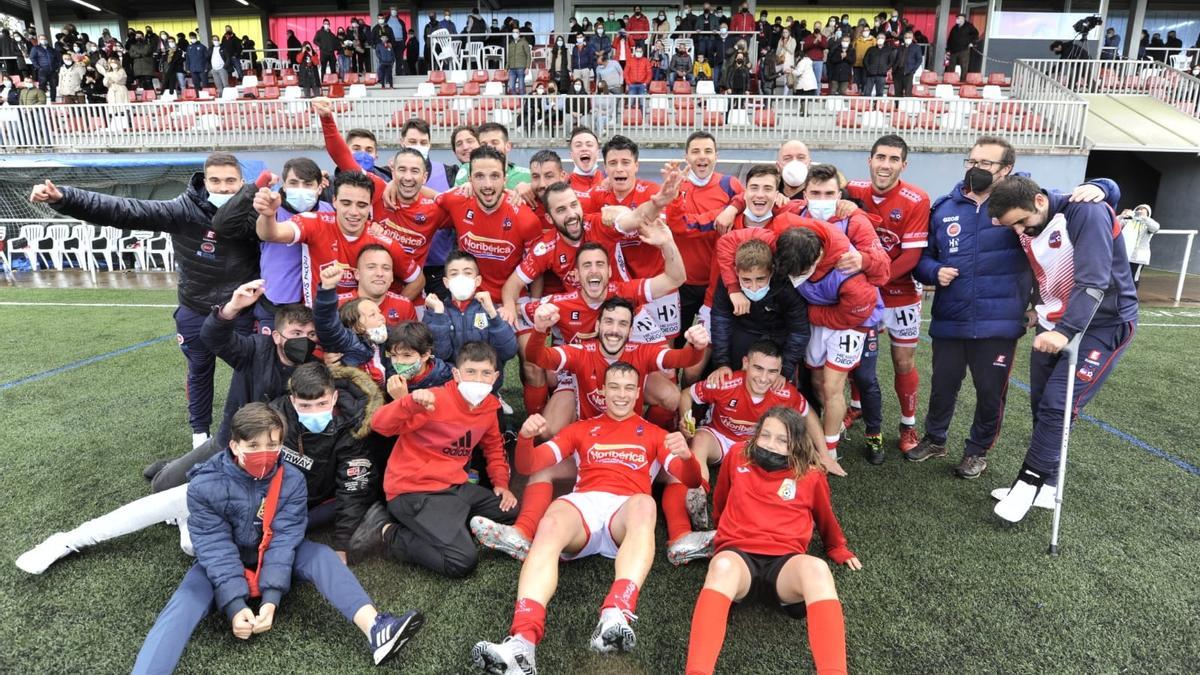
1149 78
749 120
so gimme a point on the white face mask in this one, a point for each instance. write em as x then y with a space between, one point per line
301 200
423 149
748 215
474 392
218 200
795 173
797 280
377 334
461 287
908 41
696 180
822 209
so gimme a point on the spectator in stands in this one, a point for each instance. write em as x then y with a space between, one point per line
114 80
447 23
735 79
638 27
863 41
681 66
173 68
701 69
44 61
231 51
908 60
1137 228
841 65
363 46
741 24
518 56
427 52
637 75
878 60
604 107
196 62
386 58
785 63
599 42
962 37
807 83
610 72
1069 50
345 53
328 44
660 62
31 95
400 36
621 48
70 78
583 61
1112 45
10 53
216 59
309 74
814 46
379 31
293 47
412 53
94 90
475 27
577 106
662 27
559 63
1173 45
705 38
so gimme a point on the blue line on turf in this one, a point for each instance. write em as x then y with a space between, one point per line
1105 426
81 363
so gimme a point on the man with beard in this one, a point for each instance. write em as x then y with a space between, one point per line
373 272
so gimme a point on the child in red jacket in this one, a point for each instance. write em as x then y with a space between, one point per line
765 505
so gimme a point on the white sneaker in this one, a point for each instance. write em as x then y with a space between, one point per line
504 538
697 508
514 656
199 440
613 633
691 546
504 406
1044 499
1020 497
37 559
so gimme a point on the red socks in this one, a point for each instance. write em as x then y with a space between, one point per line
674 506
535 399
534 502
709 620
622 595
907 385
529 620
826 636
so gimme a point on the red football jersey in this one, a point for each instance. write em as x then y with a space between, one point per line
587 362
553 258
621 458
582 184
323 244
691 218
641 260
498 240
577 318
395 307
772 513
734 412
412 225
904 215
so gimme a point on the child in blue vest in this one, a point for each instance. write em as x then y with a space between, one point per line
248 512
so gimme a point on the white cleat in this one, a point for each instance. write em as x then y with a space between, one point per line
691 546
199 440
185 538
504 538
514 656
613 633
1044 499
697 508
37 559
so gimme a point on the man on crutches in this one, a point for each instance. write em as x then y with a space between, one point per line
1087 302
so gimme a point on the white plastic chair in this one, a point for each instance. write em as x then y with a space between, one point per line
270 64
660 102
135 243
493 89
835 104
472 57
874 119
504 116
463 104
58 235
493 54
249 81
992 92
292 93
458 77
229 94
31 237
110 251
427 90
4 256
445 50
705 88
539 57
357 91
83 235
944 91
161 245
911 106
738 118
717 104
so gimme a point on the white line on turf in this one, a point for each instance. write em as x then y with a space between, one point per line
81 304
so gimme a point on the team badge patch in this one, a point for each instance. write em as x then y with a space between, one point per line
1086 373
953 229
787 489
481 320
1055 239
895 215
179 338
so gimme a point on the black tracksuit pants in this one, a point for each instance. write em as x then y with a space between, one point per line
990 363
431 528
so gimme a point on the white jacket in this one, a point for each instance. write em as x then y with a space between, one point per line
806 79
1137 232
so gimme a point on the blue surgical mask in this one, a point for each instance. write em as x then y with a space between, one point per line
365 160
757 294
822 209
301 200
218 200
315 422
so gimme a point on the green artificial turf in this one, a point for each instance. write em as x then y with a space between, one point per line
945 587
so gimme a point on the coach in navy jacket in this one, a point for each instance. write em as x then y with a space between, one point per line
979 313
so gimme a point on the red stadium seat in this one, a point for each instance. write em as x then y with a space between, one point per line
268 79
270 93
929 78
681 87
447 89
658 87
935 106
681 103
951 77
329 79
499 76
885 105
969 91
336 90
351 78
632 117
922 91
713 118
450 118
542 76
476 116
848 119
765 117
471 89
1033 122
189 94
861 105
479 76
983 122
998 79
370 79
685 118
975 79
290 79
902 120
510 103
660 118
399 118
437 76
927 121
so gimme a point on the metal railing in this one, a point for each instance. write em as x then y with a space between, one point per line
533 120
1148 78
1187 259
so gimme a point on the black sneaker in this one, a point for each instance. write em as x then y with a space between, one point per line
924 450
971 466
874 449
152 470
368 536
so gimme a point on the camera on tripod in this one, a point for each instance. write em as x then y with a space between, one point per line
1087 23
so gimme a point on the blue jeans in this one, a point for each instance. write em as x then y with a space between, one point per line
639 92
343 65
385 75
193 600
201 363
516 80
819 71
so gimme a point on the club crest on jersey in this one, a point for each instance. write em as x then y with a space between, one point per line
541 248
480 320
1055 239
393 314
895 215
887 239
953 229
641 430
419 218
507 224
1086 373
787 489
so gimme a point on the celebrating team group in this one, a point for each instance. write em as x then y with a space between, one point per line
699 332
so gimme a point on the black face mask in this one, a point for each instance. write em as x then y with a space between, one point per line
978 180
298 350
767 460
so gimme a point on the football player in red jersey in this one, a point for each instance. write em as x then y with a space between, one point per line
766 502
334 238
374 275
610 513
585 150
903 227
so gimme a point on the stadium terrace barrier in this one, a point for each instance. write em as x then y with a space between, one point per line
753 121
1146 78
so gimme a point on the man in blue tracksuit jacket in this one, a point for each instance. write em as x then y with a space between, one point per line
982 285
1085 292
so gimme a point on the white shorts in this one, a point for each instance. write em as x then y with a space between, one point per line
661 314
566 382
597 510
837 349
724 442
903 324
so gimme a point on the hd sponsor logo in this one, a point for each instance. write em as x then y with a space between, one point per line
630 456
485 248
